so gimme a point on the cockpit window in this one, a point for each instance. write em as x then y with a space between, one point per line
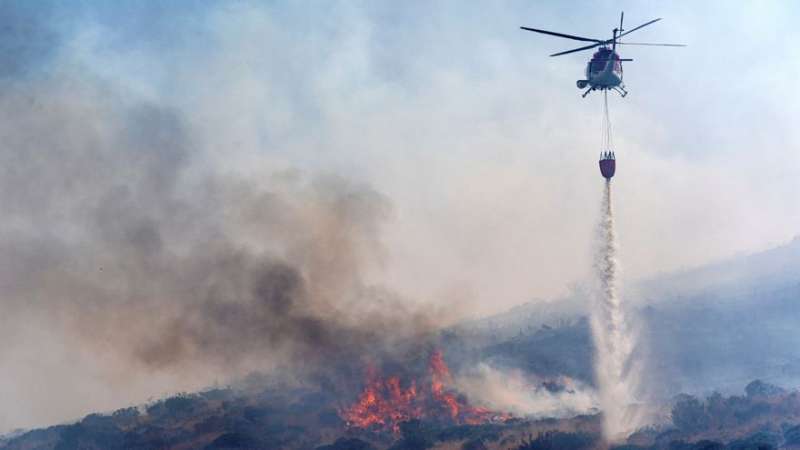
600 58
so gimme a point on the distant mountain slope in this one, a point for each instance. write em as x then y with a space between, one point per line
733 277
527 318
712 327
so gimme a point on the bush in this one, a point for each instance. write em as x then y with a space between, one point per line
707 445
757 441
759 388
79 436
557 440
689 414
474 444
179 404
416 436
234 441
792 435
347 444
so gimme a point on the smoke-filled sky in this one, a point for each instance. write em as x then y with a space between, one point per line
427 154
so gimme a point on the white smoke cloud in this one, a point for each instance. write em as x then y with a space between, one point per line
524 395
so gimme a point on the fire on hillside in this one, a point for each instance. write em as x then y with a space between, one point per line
386 402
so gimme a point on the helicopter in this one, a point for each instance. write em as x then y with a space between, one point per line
604 70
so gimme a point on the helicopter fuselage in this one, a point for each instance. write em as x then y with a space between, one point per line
603 71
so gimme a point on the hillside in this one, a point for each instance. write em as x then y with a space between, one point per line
734 322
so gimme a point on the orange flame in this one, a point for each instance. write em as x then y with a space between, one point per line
384 403
440 374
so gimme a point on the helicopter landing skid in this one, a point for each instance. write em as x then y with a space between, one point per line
618 89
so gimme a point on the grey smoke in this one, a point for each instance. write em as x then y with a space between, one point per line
525 395
115 234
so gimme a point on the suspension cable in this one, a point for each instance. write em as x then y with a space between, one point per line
606 130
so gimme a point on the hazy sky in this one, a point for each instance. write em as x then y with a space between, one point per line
479 142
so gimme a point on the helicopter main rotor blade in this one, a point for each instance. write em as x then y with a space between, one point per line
578 49
640 26
621 16
568 36
651 44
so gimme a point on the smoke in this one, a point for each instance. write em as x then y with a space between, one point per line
524 395
122 250
616 374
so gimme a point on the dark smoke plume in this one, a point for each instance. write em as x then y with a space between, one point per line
117 233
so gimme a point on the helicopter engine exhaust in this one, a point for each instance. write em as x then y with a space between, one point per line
582 83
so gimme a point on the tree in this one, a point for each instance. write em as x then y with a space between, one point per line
689 414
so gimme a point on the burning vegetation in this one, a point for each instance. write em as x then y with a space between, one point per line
386 402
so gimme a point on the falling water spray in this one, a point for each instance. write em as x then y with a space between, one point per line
613 337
